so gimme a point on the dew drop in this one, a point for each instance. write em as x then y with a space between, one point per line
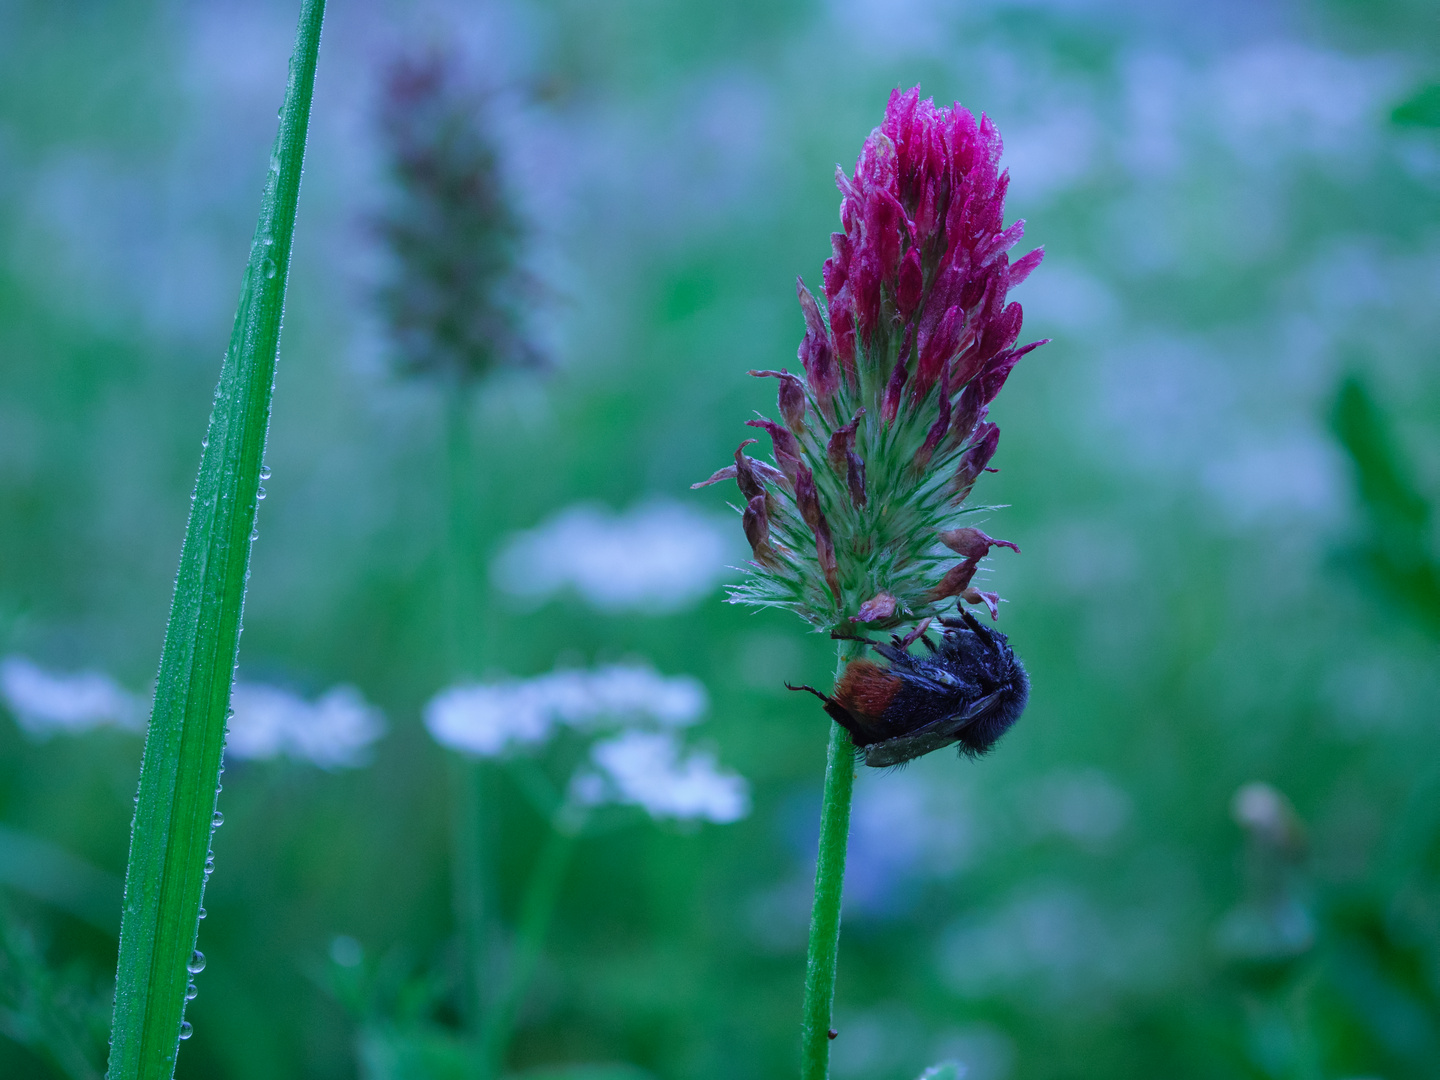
218 819
269 268
205 443
209 864
191 991
202 913
197 963
185 1029
255 533
264 472
260 494
274 163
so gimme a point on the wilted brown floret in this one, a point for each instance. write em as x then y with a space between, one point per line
878 607
792 399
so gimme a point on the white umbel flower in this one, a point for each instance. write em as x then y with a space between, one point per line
492 719
649 770
658 556
47 703
334 732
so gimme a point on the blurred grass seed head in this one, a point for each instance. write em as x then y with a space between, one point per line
457 295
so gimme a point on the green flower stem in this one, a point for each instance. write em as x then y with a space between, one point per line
468 854
536 910
461 602
820 957
179 779
470 896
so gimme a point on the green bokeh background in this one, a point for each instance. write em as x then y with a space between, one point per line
1241 208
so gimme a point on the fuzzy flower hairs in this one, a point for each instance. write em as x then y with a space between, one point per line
858 524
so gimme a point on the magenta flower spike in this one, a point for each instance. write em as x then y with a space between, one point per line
883 438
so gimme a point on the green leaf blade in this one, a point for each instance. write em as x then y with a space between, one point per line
179 776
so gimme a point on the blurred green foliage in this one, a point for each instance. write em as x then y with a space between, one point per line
1396 556
1210 593
1422 110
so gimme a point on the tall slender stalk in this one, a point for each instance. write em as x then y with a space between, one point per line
820 957
537 907
179 779
469 897
461 599
468 850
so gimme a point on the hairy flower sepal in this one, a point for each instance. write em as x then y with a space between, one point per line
858 523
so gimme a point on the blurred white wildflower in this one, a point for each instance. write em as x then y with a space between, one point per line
647 769
658 556
490 719
46 703
333 732
642 764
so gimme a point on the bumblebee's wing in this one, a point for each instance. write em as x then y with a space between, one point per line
921 741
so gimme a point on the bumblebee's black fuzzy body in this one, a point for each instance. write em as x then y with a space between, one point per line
969 691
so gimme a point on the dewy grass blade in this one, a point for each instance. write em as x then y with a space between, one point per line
179 780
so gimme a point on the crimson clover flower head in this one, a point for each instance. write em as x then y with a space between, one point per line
859 521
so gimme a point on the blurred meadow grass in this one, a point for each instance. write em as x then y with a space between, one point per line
1240 207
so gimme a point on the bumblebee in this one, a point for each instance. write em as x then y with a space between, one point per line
969 690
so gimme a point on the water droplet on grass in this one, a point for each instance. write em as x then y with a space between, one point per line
218 819
202 913
197 963
268 269
264 472
260 494
191 991
185 1029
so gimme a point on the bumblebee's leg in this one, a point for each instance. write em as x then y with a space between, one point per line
839 714
925 640
981 630
910 638
895 654
817 693
980 706
836 635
